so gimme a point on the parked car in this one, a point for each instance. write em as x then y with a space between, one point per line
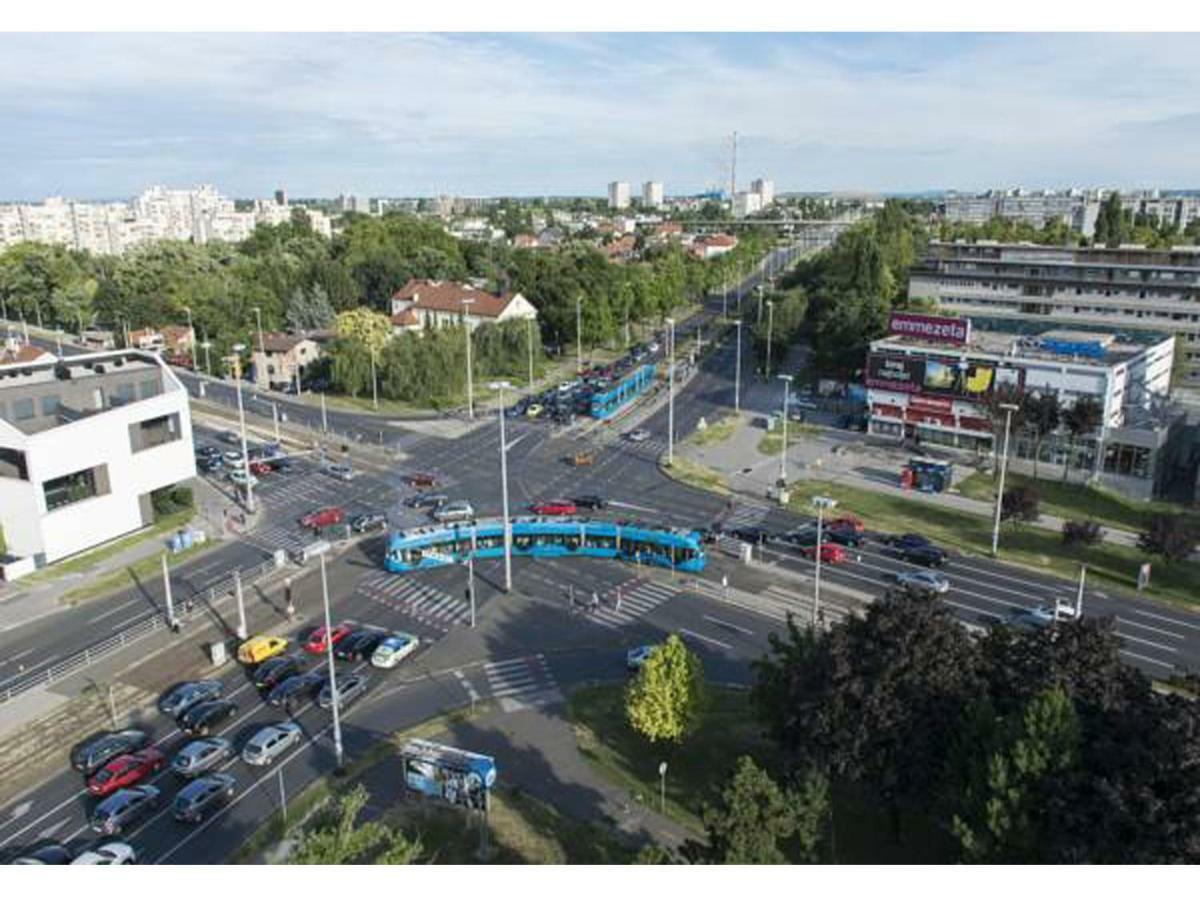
260 468
323 517
317 642
454 511
830 553
238 477
421 480
923 582
205 451
638 435
111 853
751 534
228 437
349 688
296 688
340 471
233 457
177 700
92 755
261 647
845 522
393 648
203 718
590 501
426 501
359 645
368 522
125 771
198 757
923 555
269 743
276 670
1035 618
635 658
210 464
201 796
47 854
124 808
553 508
534 410
844 537
281 464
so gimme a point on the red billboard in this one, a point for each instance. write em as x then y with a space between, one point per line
942 329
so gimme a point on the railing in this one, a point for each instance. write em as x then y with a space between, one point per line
151 624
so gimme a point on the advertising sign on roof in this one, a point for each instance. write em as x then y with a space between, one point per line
942 329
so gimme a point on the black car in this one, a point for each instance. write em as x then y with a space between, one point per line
751 534
847 537
94 754
590 501
298 687
359 644
905 541
229 437
210 464
202 718
923 555
275 671
426 501
710 534
202 795
368 522
281 464
184 696
349 687
204 451
49 854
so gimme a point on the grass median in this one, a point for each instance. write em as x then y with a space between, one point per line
1033 548
719 430
695 474
772 441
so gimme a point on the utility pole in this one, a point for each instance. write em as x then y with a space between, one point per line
737 372
529 331
671 393
787 381
242 633
191 334
275 417
167 592
324 418
207 345
821 503
337 724
770 330
237 368
579 334
466 303
374 383
500 386
471 576
1009 409
261 346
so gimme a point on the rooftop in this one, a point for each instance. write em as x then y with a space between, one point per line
1060 345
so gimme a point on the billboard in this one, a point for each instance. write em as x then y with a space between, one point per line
940 377
895 373
943 329
459 777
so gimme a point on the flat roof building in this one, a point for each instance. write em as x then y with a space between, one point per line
84 441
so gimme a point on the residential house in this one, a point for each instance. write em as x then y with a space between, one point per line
707 246
524 241
285 355
437 303
620 250
146 339
14 353
405 320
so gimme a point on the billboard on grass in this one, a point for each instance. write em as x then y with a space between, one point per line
459 777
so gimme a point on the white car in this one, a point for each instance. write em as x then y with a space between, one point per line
654 348
233 457
638 435
455 511
923 581
635 658
268 743
340 471
239 477
565 387
114 853
393 648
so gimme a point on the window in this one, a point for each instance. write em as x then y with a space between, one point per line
149 388
12 464
50 404
153 432
124 394
22 410
70 489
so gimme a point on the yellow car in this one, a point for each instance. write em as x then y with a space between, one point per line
535 410
261 647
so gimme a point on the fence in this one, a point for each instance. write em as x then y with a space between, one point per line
152 624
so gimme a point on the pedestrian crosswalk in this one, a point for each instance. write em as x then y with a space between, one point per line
629 601
429 605
518 683
280 537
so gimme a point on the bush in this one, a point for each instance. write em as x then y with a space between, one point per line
172 499
1171 537
1087 533
1020 503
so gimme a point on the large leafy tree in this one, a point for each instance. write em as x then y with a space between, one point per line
1172 537
336 838
1040 414
1081 418
309 309
664 701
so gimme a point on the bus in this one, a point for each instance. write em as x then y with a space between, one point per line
606 404
443 545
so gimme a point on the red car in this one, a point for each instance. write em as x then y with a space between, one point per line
322 518
422 480
126 770
846 523
554 508
260 468
830 553
316 641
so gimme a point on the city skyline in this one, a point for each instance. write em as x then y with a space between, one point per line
565 114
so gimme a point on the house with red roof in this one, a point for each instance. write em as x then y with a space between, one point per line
437 303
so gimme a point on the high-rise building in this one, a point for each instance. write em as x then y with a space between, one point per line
745 203
765 188
352 203
281 197
618 195
652 194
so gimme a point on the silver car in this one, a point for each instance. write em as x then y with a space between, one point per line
200 756
340 471
923 582
455 511
269 743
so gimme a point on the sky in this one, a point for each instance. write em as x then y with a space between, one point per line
91 116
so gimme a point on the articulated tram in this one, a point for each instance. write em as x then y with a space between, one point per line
441 545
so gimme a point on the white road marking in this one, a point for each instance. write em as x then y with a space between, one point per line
20 809
113 611
130 621
1136 640
729 625
49 830
705 638
1150 615
1173 634
1149 659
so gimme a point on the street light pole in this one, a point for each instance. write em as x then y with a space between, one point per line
770 330
337 724
787 381
191 334
207 345
500 386
529 331
261 346
737 371
671 393
821 503
759 288
1009 409
237 368
662 788
579 334
374 383
466 303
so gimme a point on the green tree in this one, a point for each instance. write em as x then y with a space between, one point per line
335 838
755 816
1081 418
309 309
1040 415
1020 504
1173 537
369 329
665 700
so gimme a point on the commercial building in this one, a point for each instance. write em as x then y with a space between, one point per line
437 303
652 194
84 442
1075 207
745 203
765 188
618 195
1115 290
936 380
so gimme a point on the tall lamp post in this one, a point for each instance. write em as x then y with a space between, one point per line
1009 409
499 386
787 381
579 334
466 305
737 371
529 332
207 346
374 383
191 335
671 392
770 330
337 724
237 380
822 504
662 787
759 288
261 346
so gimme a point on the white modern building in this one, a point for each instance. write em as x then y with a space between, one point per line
936 380
84 442
745 203
618 195
652 194
765 188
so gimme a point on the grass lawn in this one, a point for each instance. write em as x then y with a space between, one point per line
143 570
695 474
1075 501
772 441
719 430
1034 548
92 558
